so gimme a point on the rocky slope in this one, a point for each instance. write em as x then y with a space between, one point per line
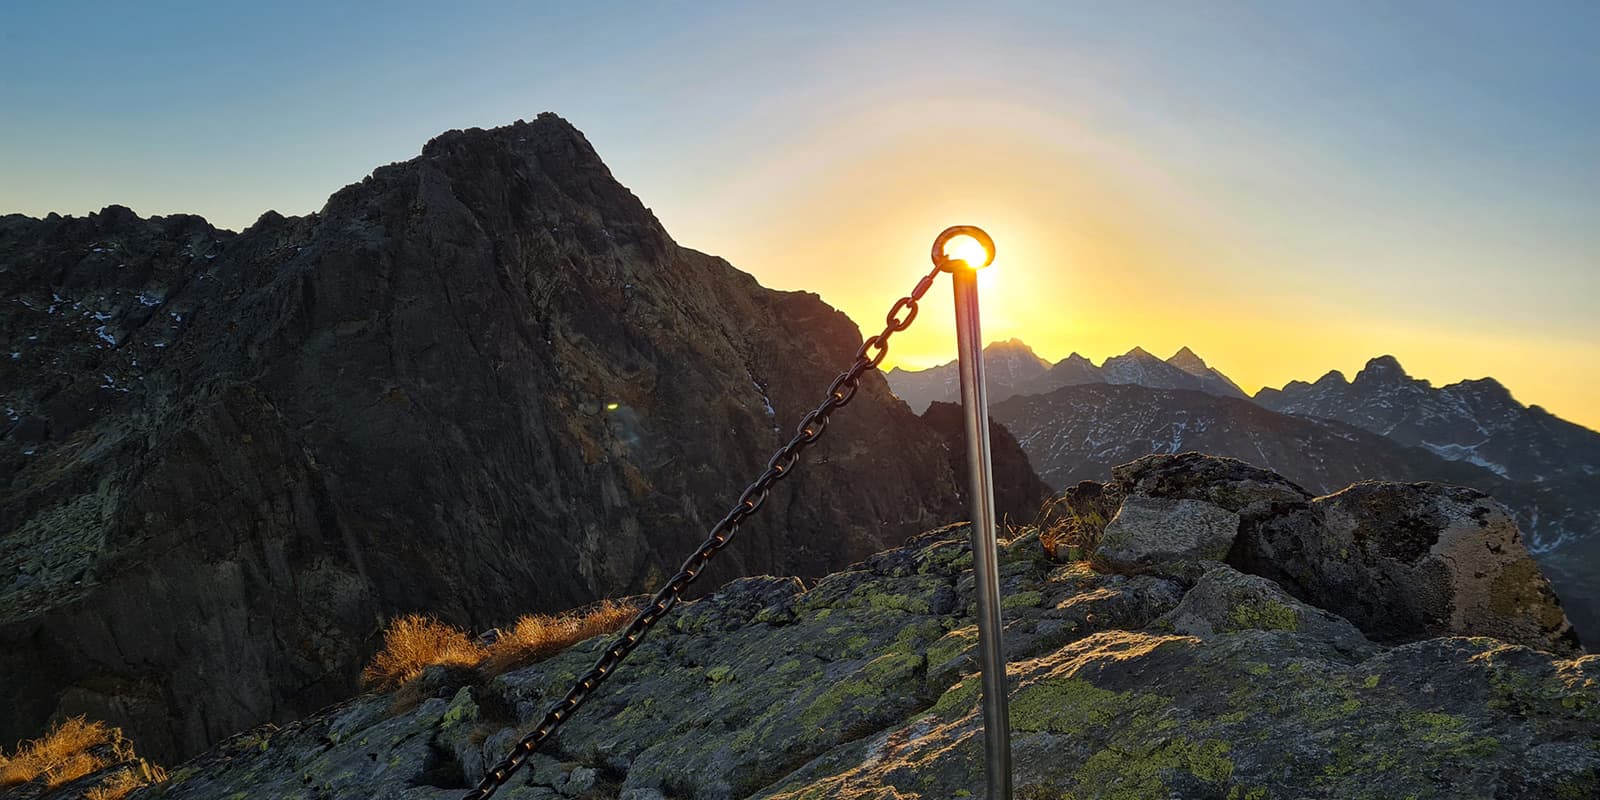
1551 467
478 383
1076 433
1179 677
1475 421
1080 432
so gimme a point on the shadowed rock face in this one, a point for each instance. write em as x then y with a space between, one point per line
1018 492
479 383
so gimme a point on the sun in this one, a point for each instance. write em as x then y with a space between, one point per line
966 248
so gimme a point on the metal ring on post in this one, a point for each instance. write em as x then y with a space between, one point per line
944 262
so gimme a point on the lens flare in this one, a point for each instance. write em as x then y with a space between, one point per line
966 248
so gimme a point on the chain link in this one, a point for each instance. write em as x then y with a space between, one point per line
810 429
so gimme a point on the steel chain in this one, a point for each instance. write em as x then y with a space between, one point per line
839 393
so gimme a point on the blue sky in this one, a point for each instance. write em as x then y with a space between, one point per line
1418 178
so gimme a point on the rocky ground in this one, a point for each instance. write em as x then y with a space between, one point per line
1163 669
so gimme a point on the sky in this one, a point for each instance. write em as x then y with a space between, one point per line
1286 187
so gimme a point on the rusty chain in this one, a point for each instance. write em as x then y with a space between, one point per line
840 392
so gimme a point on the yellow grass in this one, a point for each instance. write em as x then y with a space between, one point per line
123 783
66 753
539 636
413 643
1071 532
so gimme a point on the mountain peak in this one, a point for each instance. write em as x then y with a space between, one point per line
1332 377
540 174
506 246
545 128
1186 360
1013 345
1385 368
1487 388
1139 352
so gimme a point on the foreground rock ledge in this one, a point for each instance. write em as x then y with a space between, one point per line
861 687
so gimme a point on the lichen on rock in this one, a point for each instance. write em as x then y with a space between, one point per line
1149 532
862 686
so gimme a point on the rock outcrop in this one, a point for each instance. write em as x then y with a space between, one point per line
1225 600
478 383
1401 561
862 686
1436 560
1148 532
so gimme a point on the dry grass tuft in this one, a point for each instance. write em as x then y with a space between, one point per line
73 749
124 782
539 636
413 643
1071 524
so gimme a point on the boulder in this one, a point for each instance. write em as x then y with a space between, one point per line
1226 482
1401 561
1226 601
1150 531
1422 559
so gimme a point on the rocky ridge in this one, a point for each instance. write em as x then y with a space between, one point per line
1185 677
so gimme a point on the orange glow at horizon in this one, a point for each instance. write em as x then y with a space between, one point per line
1102 250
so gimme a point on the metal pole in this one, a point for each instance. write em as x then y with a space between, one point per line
980 490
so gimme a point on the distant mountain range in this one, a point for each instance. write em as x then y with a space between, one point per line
1476 421
1076 420
1013 368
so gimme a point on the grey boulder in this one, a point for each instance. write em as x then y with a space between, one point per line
1148 532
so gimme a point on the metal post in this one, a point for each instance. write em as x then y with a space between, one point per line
980 490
